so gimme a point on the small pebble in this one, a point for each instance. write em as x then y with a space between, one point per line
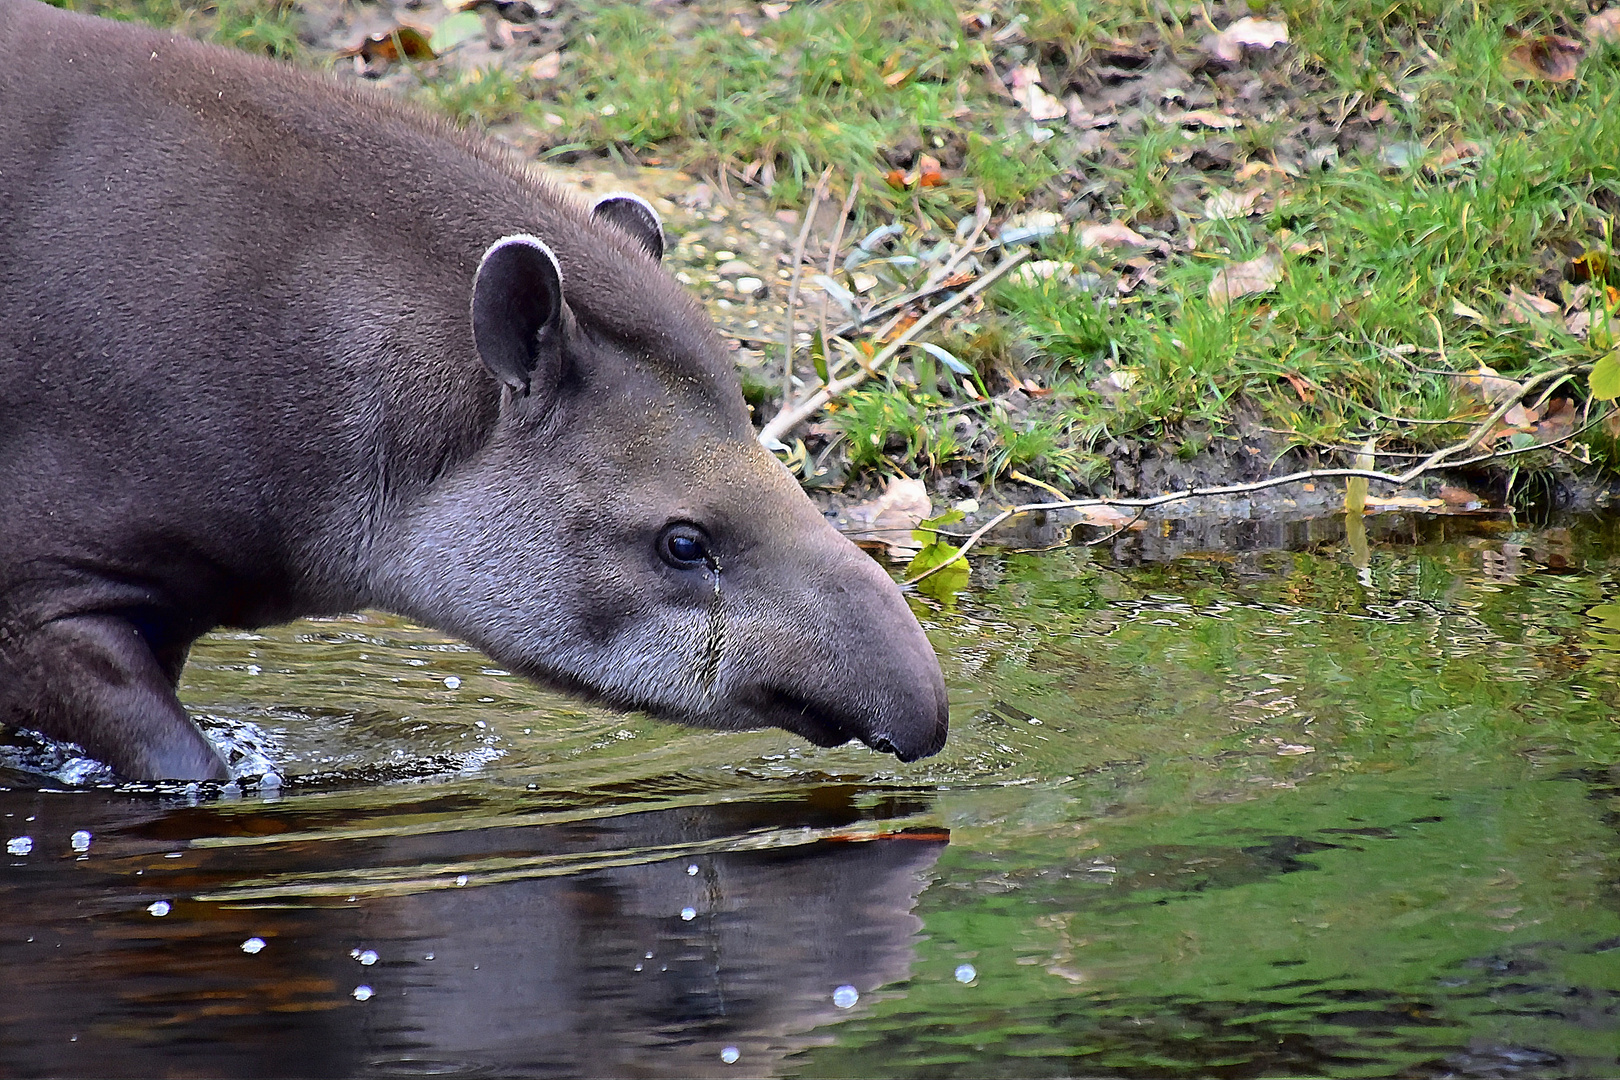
965 973
691 871
19 845
688 914
730 1055
80 841
846 996
159 908
253 946
362 993
452 683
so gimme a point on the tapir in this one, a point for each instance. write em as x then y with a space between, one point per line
272 347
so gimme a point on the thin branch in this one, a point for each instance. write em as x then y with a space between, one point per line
790 416
1490 422
793 285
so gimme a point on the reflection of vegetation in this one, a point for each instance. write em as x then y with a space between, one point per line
1348 830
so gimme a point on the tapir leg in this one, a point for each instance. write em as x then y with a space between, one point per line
94 680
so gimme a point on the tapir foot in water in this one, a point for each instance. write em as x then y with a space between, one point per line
110 693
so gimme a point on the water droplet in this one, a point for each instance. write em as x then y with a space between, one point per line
428 956
362 993
649 956
729 1055
688 914
965 973
159 908
691 871
253 946
367 957
638 967
452 683
846 996
19 845
80 841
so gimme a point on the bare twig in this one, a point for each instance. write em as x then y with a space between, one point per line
791 415
793 285
934 283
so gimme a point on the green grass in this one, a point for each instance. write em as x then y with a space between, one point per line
1385 258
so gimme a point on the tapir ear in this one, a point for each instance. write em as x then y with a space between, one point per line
635 216
517 309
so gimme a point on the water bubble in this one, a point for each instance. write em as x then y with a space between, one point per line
965 973
846 996
688 914
452 683
367 957
80 841
19 845
729 1055
159 908
362 993
253 946
691 871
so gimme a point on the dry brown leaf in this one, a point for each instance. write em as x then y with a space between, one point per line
1204 118
1462 310
1459 497
1604 26
1112 235
1245 33
548 66
888 519
1519 306
1109 517
389 44
1549 58
1258 275
1403 502
1032 97
1229 204
1485 384
1558 422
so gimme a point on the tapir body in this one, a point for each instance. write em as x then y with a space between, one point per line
273 347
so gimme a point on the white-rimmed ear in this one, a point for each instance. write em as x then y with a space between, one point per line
517 310
635 216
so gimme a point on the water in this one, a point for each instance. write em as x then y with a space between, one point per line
1203 813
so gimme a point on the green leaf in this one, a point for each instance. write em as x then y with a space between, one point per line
462 26
818 357
925 533
944 585
1605 377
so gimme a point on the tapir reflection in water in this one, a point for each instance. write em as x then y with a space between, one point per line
239 384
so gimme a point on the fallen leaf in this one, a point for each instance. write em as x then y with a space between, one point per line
389 44
1246 33
1301 387
1205 118
1112 235
1403 502
1590 265
1520 417
1604 26
889 519
1549 58
1032 97
463 26
1519 306
1033 273
548 66
1461 498
928 172
1258 275
1462 310
1558 422
1402 155
1226 204
1109 517
1485 384
774 12
895 178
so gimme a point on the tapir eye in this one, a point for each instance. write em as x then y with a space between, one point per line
684 546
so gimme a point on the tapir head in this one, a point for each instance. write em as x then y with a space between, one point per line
621 534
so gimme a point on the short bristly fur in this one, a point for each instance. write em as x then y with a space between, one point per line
240 382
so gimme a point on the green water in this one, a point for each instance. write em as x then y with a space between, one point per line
1218 814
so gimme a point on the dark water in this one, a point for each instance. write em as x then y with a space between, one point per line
1203 814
